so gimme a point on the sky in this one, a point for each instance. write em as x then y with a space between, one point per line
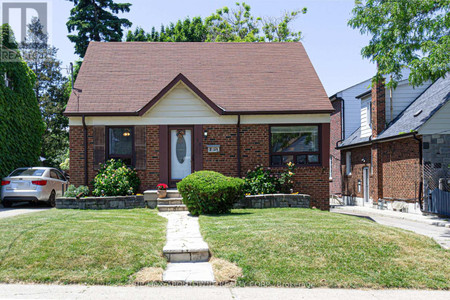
333 47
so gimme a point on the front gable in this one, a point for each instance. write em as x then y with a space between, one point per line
181 105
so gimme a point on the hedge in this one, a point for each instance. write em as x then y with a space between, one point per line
21 125
208 192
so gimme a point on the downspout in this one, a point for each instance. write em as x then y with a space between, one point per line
83 118
420 164
238 142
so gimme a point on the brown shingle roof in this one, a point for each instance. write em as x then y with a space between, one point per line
123 78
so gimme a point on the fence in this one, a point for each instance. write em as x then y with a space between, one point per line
437 189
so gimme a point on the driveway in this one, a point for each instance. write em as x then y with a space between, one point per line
20 209
440 234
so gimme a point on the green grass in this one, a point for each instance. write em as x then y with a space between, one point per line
80 246
313 248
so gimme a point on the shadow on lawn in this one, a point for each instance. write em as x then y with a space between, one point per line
230 214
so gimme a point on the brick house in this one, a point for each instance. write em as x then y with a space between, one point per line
383 161
169 109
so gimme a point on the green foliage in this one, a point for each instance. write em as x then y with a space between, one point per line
96 20
225 25
114 178
52 90
81 191
208 192
269 181
412 33
183 31
21 126
65 164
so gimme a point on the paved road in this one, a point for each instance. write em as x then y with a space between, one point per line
18 291
440 234
20 209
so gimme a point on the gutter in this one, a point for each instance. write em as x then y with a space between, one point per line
83 119
238 142
370 142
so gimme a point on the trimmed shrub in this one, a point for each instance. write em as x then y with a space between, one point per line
81 191
208 192
115 179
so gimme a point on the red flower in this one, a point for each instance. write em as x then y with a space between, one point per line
162 186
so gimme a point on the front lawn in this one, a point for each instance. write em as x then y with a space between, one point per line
314 248
80 246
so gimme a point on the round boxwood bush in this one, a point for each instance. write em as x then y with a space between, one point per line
208 192
114 178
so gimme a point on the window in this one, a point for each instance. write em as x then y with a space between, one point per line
348 163
28 172
53 175
331 167
369 114
120 144
297 144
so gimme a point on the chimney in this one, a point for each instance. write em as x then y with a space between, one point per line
378 107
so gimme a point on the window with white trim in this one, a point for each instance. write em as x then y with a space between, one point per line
348 163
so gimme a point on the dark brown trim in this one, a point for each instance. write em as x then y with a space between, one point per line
173 183
182 78
294 154
133 154
198 147
100 114
238 145
163 154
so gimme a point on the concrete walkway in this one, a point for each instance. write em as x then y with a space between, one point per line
432 227
186 251
38 291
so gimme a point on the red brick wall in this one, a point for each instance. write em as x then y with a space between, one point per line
396 170
336 136
350 182
225 161
254 151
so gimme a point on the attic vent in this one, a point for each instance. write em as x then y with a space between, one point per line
417 113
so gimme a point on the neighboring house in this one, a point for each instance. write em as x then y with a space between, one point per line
382 162
170 109
344 121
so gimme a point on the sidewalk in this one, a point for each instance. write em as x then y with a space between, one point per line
430 226
38 291
427 219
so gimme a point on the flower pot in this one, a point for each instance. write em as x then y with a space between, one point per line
161 193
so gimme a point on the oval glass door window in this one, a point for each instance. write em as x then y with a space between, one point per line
181 148
180 153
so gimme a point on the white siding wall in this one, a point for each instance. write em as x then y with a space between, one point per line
353 106
402 96
366 128
439 123
182 106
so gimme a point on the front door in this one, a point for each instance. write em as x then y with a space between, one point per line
366 184
180 153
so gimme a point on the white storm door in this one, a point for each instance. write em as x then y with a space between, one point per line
181 153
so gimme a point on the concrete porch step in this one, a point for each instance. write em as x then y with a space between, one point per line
170 201
175 207
152 194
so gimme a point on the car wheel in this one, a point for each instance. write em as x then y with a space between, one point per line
52 199
7 204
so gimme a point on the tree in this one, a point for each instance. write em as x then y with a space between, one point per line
52 91
225 25
183 31
406 33
95 20
21 126
238 25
